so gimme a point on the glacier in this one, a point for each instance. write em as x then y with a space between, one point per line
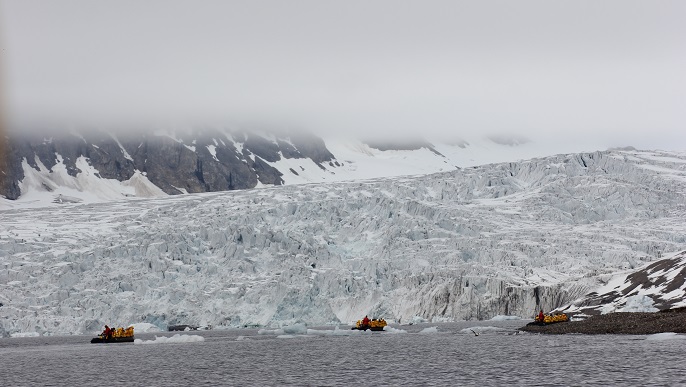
472 243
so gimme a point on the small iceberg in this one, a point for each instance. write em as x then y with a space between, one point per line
429 330
295 329
25 334
390 329
177 338
665 336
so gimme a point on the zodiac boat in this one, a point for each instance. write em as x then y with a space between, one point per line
374 325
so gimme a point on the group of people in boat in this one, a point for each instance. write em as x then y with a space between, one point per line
110 333
366 323
549 319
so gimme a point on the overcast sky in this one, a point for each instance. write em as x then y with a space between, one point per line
611 70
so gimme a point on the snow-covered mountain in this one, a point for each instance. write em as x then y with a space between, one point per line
658 286
98 166
470 243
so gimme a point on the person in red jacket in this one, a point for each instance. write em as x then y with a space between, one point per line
365 321
107 332
541 317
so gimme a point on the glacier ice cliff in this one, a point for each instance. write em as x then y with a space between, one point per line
473 243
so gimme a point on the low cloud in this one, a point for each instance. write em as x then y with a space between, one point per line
612 72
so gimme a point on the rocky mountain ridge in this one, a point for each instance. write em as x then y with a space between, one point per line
199 161
97 166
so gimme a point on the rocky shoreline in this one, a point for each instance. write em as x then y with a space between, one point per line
673 320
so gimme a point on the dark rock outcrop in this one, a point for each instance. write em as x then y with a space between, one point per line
311 147
10 173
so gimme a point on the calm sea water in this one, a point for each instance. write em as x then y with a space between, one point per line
447 358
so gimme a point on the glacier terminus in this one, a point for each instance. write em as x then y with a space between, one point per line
471 243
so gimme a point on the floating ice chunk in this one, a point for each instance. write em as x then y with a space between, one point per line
665 336
429 330
335 332
501 317
25 334
270 332
295 329
177 338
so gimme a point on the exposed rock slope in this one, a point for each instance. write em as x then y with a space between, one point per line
198 161
660 285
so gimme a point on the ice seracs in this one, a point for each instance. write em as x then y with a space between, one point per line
471 243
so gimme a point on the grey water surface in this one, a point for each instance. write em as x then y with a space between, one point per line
450 357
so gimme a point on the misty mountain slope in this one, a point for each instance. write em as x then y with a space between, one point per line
197 161
466 244
98 166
